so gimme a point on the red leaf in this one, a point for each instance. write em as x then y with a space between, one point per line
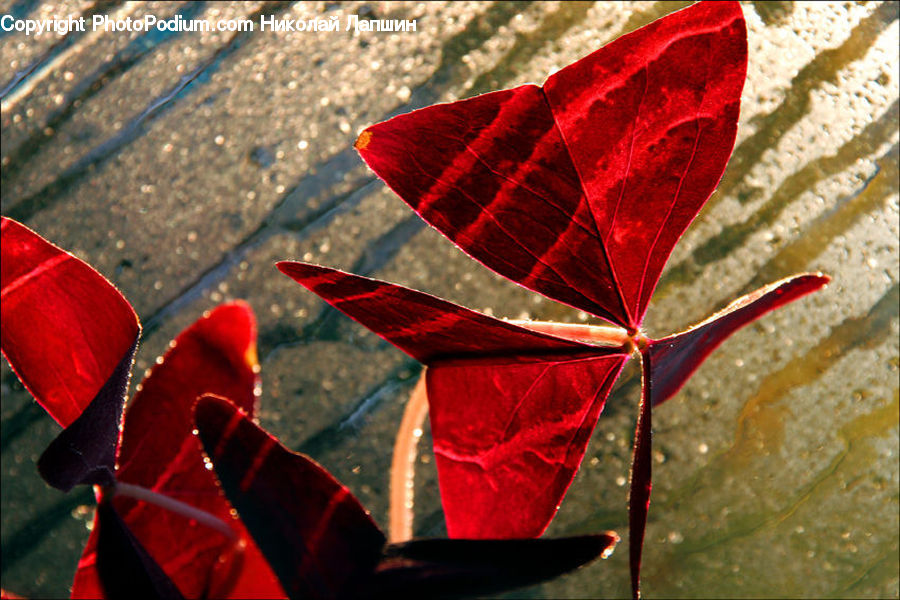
317 537
70 336
65 327
323 544
511 409
217 354
124 567
676 357
425 327
580 189
641 475
510 433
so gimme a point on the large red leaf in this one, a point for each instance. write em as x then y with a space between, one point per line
511 409
510 433
323 544
676 357
65 327
217 354
70 336
318 538
580 189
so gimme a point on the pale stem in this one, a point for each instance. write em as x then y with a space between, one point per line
175 506
403 465
595 334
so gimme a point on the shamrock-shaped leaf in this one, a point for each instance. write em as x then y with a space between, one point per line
579 190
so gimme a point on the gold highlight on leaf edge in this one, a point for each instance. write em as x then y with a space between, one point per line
251 359
362 142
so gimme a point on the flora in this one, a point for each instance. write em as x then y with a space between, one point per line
329 546
163 527
578 189
70 336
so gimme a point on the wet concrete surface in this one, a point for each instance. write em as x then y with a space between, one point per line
182 166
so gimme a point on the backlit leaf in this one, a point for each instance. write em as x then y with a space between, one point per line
217 354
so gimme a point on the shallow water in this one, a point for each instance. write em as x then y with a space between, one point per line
183 166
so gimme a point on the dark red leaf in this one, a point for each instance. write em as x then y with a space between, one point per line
676 357
580 189
217 354
125 568
317 537
65 327
452 568
425 327
511 409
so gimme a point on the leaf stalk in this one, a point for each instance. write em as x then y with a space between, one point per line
176 506
403 464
